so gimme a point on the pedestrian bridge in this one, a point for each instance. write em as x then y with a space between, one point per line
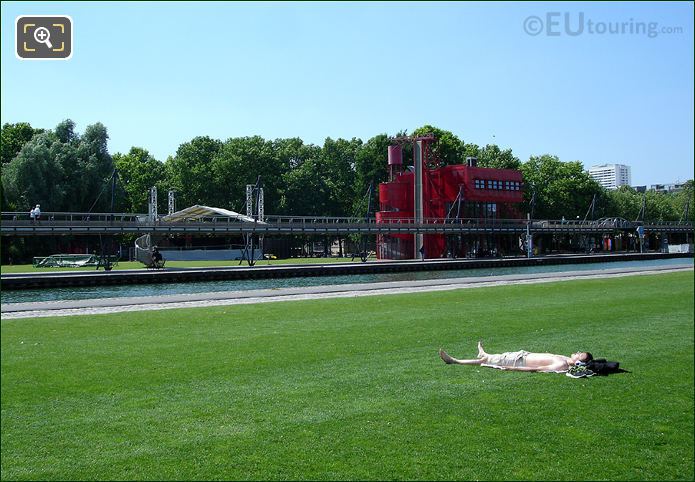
64 223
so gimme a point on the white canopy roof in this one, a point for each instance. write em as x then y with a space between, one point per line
197 212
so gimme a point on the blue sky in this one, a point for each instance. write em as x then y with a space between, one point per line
158 74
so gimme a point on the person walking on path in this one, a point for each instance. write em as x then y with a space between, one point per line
35 213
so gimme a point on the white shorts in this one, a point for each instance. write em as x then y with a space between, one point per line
507 359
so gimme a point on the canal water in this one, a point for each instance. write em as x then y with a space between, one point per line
125 291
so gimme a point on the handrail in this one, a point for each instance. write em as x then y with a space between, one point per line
72 217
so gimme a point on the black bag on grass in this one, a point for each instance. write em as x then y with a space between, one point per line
600 366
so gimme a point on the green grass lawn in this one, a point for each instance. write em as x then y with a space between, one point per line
353 388
28 268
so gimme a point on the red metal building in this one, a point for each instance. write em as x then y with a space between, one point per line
455 192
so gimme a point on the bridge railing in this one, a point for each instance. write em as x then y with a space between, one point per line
72 217
665 223
333 222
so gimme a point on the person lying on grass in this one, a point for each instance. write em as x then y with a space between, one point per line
522 361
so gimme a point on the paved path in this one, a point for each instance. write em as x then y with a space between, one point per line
142 303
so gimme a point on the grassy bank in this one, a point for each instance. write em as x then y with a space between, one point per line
353 388
27 268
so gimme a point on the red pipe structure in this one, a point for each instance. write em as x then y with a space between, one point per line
441 194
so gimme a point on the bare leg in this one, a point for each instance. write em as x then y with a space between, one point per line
451 360
481 350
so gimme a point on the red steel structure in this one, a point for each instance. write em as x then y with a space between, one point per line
451 193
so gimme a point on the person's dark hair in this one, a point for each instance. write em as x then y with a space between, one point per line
588 358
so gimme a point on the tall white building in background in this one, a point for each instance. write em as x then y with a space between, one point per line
611 176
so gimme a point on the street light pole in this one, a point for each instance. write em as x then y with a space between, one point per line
528 236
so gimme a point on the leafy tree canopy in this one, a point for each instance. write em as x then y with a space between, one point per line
64 170
60 170
13 137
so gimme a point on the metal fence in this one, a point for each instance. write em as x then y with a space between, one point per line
19 223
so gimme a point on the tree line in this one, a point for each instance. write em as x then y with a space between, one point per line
64 170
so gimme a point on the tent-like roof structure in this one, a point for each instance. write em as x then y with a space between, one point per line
197 212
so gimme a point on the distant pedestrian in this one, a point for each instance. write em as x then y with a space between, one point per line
37 212
157 258
32 214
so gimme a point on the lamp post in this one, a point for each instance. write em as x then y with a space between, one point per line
529 239
640 234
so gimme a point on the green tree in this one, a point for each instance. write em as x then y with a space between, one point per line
562 189
448 149
60 170
190 171
627 203
89 180
306 191
624 202
492 156
35 175
242 160
65 131
685 202
338 158
293 154
661 207
371 166
138 171
13 137
470 150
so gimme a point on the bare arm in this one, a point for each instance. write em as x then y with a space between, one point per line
545 368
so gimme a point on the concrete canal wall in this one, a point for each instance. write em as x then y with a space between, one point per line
181 275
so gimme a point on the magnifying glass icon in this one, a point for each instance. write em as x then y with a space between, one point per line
43 36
